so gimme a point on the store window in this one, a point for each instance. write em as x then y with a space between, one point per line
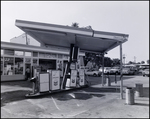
35 54
47 64
8 52
2 51
41 54
1 65
18 66
53 56
34 61
19 53
47 55
28 54
60 56
65 57
27 60
8 65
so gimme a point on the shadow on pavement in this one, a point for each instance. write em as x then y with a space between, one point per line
146 92
141 104
11 96
18 83
98 80
102 89
80 96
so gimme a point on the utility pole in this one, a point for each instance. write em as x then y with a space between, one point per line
26 39
124 57
121 80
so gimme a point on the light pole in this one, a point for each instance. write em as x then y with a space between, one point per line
124 57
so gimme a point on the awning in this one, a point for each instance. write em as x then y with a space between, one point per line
62 36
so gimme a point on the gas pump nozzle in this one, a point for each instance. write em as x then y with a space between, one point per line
33 79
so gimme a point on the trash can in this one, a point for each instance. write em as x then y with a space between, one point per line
108 82
129 96
139 90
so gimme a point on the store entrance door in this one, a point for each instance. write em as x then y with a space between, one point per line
28 65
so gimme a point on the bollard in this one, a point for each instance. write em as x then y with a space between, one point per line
33 88
139 90
129 96
108 82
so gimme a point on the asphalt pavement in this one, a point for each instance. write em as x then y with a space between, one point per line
95 101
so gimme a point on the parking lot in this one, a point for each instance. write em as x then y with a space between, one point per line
93 101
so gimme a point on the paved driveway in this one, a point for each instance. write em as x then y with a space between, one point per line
93 101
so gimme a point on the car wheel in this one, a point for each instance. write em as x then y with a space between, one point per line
116 72
94 75
143 75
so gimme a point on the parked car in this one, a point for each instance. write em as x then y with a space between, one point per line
141 70
131 66
92 72
145 72
115 70
106 70
128 71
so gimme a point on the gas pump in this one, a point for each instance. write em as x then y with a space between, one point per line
49 81
76 74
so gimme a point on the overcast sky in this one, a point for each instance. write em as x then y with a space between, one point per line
128 17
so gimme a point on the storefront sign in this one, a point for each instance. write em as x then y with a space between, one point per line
7 59
28 60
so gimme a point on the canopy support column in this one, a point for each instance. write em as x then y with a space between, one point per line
121 81
103 69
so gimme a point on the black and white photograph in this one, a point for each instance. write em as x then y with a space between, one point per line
74 59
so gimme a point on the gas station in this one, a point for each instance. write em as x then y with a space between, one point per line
76 40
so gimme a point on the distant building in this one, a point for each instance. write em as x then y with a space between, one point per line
25 39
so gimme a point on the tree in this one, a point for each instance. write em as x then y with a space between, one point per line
115 62
130 62
96 60
147 61
75 24
142 62
88 27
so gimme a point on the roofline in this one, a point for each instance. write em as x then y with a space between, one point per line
53 27
24 47
68 29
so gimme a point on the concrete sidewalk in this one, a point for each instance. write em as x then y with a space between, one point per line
116 107
92 102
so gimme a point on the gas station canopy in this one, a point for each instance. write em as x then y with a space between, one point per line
62 36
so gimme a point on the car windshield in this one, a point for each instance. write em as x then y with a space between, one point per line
146 69
105 67
126 68
115 68
108 68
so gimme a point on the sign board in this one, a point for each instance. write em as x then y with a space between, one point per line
73 78
55 80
